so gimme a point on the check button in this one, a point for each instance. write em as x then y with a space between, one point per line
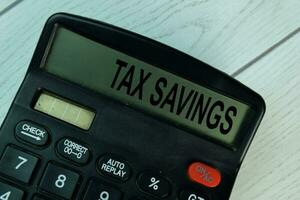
32 133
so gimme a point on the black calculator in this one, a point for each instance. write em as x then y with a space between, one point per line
106 114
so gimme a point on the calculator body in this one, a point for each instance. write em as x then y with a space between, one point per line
126 153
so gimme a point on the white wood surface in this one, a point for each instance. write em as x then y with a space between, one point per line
227 34
271 169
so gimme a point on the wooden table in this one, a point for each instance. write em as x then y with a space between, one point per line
255 41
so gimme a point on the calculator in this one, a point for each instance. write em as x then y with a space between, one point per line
107 114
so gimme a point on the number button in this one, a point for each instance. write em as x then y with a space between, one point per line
38 198
97 191
59 181
104 195
18 164
8 192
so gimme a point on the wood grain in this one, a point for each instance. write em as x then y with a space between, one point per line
226 35
271 169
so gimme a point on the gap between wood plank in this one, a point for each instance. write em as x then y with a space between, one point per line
269 50
234 74
9 7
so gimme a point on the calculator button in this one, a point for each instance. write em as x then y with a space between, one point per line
73 150
97 191
140 199
8 192
154 185
59 181
18 164
32 133
192 195
204 174
112 166
38 198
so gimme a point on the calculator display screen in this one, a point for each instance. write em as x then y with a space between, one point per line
134 82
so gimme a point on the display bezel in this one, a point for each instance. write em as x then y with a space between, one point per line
142 105
157 54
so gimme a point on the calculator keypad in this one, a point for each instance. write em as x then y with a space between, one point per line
98 191
59 181
18 164
64 183
8 192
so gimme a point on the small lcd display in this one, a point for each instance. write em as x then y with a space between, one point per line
134 82
64 110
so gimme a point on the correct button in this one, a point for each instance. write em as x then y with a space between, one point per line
73 150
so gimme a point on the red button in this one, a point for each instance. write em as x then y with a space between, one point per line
204 174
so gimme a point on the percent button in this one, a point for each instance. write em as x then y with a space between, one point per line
154 184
